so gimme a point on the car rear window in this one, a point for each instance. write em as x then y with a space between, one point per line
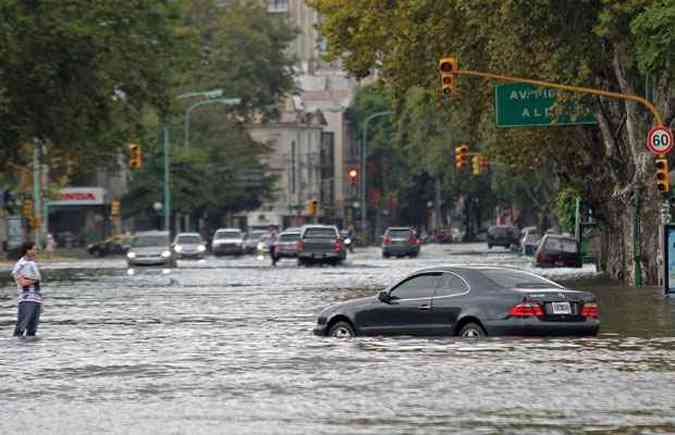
515 279
228 235
290 237
320 233
532 237
400 234
499 231
561 245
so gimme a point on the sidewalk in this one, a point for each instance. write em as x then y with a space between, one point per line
59 255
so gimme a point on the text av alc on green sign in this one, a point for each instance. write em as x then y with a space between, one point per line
524 105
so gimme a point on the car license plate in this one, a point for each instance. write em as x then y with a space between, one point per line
561 308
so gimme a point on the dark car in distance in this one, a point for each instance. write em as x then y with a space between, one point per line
467 301
400 242
558 250
286 244
502 235
320 244
115 245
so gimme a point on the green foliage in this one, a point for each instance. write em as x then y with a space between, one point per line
566 209
76 75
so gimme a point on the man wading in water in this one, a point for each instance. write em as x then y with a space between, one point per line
27 277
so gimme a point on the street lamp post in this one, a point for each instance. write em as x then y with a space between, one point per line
364 156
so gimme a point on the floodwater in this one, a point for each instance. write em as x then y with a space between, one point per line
225 346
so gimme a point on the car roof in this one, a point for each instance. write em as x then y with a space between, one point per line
228 229
152 233
398 228
188 234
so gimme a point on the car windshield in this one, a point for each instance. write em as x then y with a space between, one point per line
290 237
320 233
561 245
189 240
150 241
228 235
515 279
400 234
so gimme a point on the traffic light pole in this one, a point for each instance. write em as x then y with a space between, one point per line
578 89
364 157
167 190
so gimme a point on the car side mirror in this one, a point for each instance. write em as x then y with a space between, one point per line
383 296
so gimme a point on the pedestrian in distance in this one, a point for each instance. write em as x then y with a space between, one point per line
27 277
270 245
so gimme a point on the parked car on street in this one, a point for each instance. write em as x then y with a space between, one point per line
467 301
320 244
286 244
228 241
115 245
151 248
502 235
529 240
400 242
189 245
558 250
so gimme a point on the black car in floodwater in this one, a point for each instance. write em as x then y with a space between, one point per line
468 301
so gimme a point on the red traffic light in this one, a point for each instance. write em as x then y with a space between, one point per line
447 65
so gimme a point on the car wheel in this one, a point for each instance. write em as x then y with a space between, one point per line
489 246
472 330
341 329
385 255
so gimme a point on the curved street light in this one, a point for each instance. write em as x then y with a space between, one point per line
364 156
225 101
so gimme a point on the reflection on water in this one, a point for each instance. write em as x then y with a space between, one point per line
230 351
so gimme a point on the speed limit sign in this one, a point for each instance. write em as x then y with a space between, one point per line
660 140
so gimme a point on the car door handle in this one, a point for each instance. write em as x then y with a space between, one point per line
424 307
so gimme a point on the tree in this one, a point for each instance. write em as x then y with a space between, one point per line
76 75
601 44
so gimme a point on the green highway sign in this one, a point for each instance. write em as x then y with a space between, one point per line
525 105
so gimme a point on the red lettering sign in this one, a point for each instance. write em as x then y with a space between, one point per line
78 196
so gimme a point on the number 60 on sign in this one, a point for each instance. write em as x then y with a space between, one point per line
660 140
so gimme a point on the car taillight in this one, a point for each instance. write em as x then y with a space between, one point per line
526 309
590 309
301 245
386 240
338 245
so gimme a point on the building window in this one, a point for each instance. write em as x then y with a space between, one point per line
277 6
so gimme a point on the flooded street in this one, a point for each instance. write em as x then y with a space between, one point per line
225 345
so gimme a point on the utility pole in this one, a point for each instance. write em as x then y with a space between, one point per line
36 193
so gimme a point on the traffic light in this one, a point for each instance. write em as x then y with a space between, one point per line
662 178
312 206
484 163
448 68
114 207
135 156
353 176
461 156
475 164
27 208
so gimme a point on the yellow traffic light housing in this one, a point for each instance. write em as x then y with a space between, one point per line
461 156
475 164
115 207
447 67
662 177
135 156
313 206
27 208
